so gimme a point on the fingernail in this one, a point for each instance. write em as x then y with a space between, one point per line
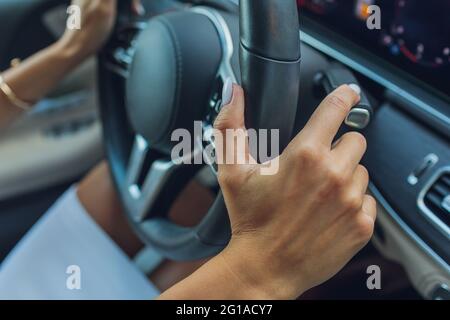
227 92
138 8
355 88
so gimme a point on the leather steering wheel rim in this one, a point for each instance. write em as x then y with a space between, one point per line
269 55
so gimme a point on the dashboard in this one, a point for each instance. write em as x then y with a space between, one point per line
414 35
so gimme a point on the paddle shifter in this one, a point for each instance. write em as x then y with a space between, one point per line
335 76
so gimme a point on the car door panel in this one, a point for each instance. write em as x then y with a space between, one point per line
398 145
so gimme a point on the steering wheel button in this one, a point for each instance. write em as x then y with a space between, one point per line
218 106
208 134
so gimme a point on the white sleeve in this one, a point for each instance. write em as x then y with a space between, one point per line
45 264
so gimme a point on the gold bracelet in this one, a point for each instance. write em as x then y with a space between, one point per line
13 99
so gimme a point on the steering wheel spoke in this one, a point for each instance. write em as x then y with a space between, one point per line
137 159
145 182
148 180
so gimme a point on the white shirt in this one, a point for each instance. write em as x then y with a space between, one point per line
66 256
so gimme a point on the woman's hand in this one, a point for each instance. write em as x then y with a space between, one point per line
97 21
296 229
38 74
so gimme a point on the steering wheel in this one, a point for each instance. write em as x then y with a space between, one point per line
165 74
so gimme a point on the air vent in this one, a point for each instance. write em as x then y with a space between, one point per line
434 201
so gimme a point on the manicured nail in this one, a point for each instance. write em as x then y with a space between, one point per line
227 92
141 10
355 88
138 8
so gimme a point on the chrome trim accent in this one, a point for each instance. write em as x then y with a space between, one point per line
313 42
138 199
436 294
225 68
446 203
441 225
429 161
408 231
355 116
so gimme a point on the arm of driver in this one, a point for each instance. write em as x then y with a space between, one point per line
28 81
215 280
36 76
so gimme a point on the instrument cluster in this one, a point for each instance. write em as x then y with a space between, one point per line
414 35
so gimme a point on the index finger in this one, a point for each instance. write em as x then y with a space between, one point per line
331 113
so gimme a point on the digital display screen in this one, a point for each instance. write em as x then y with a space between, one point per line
413 35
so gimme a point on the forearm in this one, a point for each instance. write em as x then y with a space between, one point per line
216 280
36 76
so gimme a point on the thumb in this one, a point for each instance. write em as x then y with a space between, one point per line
230 134
231 115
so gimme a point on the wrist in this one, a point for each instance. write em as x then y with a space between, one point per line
69 50
246 288
262 277
219 281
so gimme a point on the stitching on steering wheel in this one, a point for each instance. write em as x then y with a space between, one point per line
179 68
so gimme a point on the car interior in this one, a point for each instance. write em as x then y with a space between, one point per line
102 110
